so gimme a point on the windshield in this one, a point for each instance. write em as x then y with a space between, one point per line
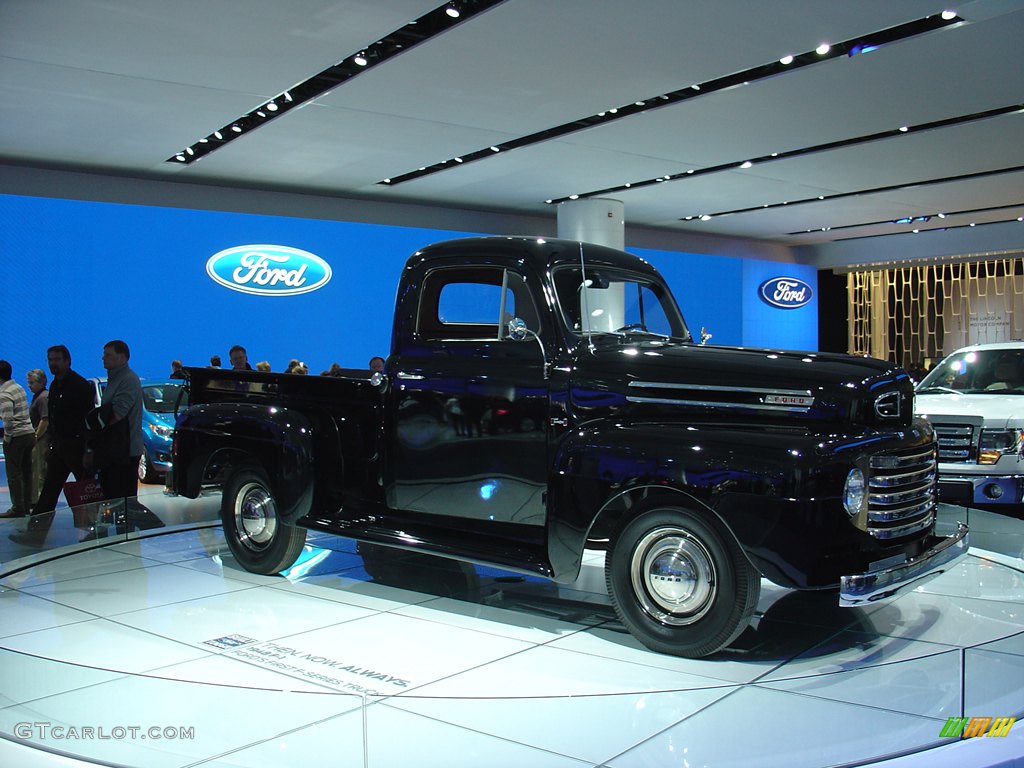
983 371
162 398
619 302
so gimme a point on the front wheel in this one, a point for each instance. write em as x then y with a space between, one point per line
146 472
679 583
256 536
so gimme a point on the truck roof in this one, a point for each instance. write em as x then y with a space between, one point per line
541 253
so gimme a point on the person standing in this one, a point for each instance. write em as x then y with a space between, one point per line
119 475
70 398
176 372
19 439
38 413
239 358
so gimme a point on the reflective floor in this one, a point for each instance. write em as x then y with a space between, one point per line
161 651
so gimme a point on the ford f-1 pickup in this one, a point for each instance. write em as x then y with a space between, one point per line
543 397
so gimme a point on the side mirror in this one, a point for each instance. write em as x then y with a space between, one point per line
517 330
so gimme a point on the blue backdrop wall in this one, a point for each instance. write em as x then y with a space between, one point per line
82 273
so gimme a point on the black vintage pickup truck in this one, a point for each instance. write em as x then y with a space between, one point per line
545 396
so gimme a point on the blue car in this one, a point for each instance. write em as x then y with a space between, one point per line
159 399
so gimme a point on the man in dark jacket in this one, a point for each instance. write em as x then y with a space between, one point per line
71 398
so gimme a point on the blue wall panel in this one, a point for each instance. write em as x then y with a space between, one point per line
82 273
767 326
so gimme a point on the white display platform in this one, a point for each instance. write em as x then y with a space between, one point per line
448 665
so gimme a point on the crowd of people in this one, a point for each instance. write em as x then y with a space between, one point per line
61 431
239 359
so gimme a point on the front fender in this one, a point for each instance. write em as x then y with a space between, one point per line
606 464
210 439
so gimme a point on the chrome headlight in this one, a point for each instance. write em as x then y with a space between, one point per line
994 443
161 431
855 492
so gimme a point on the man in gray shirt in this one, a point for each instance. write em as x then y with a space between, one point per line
122 400
19 440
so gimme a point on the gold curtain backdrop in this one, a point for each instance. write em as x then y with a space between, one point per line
918 313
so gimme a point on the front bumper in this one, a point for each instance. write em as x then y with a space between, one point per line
980 489
889 582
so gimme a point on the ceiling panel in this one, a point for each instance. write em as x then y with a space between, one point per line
122 85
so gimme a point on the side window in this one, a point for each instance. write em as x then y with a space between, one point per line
464 303
472 303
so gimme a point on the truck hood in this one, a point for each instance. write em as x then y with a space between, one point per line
667 377
994 410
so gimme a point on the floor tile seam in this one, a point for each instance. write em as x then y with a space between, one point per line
766 686
981 646
738 689
79 577
948 649
293 586
506 739
489 633
1017 566
265 740
717 684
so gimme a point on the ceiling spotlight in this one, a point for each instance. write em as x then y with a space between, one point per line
287 97
747 164
260 113
948 15
942 215
574 197
706 217
786 60
190 150
360 59
218 135
272 106
452 11
236 128
495 149
904 129
822 49
180 158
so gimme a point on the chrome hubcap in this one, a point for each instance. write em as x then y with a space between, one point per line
255 516
673 576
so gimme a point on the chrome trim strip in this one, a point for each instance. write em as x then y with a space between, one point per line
892 461
903 530
719 404
887 481
891 514
889 583
715 388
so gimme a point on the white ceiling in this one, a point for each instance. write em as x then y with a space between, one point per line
120 86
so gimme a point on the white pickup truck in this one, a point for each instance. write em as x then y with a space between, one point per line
974 399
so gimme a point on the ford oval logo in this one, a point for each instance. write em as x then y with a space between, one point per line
268 270
785 292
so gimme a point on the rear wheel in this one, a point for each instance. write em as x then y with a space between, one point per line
679 583
257 537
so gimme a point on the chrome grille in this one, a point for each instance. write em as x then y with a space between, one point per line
955 441
901 492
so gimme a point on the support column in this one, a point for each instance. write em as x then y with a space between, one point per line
594 220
